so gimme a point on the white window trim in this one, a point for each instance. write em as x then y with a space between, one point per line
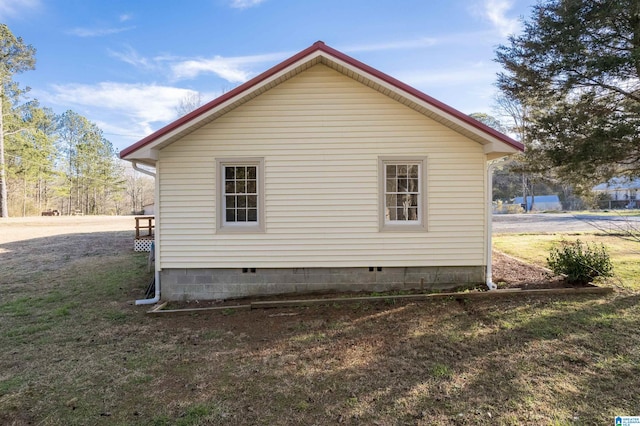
398 226
240 227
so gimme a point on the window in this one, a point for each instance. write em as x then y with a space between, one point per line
240 195
403 199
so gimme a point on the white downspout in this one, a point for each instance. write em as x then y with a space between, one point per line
490 167
135 166
489 279
156 297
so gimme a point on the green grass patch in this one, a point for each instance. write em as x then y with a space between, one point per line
27 330
623 213
20 307
441 371
10 384
116 316
534 248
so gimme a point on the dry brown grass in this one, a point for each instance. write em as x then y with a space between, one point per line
74 350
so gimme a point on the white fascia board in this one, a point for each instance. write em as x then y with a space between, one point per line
498 146
146 155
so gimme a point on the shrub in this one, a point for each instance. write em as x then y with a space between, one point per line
580 262
513 209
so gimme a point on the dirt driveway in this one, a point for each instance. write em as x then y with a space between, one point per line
24 228
37 245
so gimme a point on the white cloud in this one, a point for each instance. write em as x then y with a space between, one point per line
218 65
125 17
145 104
125 112
14 9
496 12
98 32
234 69
245 4
132 57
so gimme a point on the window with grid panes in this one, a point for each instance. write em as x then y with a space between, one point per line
240 193
402 193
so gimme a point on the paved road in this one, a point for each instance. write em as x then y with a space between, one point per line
561 222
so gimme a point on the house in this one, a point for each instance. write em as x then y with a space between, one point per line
540 202
148 209
621 193
320 174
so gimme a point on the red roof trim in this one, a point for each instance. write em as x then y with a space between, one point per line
320 46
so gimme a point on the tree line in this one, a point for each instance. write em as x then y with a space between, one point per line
56 162
569 91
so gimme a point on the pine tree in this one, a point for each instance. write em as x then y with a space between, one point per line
576 67
15 57
31 156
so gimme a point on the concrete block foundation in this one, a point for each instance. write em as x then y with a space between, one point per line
219 284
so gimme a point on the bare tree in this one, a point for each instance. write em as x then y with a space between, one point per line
189 103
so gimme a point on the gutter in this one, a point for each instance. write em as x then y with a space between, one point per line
156 297
136 167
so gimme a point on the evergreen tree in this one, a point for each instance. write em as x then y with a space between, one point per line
90 165
31 157
15 57
576 68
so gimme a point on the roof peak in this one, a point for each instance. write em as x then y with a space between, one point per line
335 55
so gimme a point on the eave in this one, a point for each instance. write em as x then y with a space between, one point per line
495 144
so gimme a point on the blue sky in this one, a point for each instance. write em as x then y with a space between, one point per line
126 65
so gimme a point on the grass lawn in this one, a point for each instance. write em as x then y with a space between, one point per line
75 351
534 248
626 212
617 212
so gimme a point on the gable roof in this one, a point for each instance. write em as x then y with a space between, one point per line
538 199
618 184
495 143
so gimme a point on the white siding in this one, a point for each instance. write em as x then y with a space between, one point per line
321 134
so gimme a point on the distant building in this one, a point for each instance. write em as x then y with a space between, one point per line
148 209
540 202
622 192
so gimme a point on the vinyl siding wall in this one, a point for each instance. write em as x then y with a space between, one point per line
321 134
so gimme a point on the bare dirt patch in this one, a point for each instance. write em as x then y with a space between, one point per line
509 272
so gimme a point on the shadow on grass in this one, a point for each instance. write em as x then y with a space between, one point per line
542 361
73 350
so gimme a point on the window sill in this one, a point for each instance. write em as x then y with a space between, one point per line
241 229
389 227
